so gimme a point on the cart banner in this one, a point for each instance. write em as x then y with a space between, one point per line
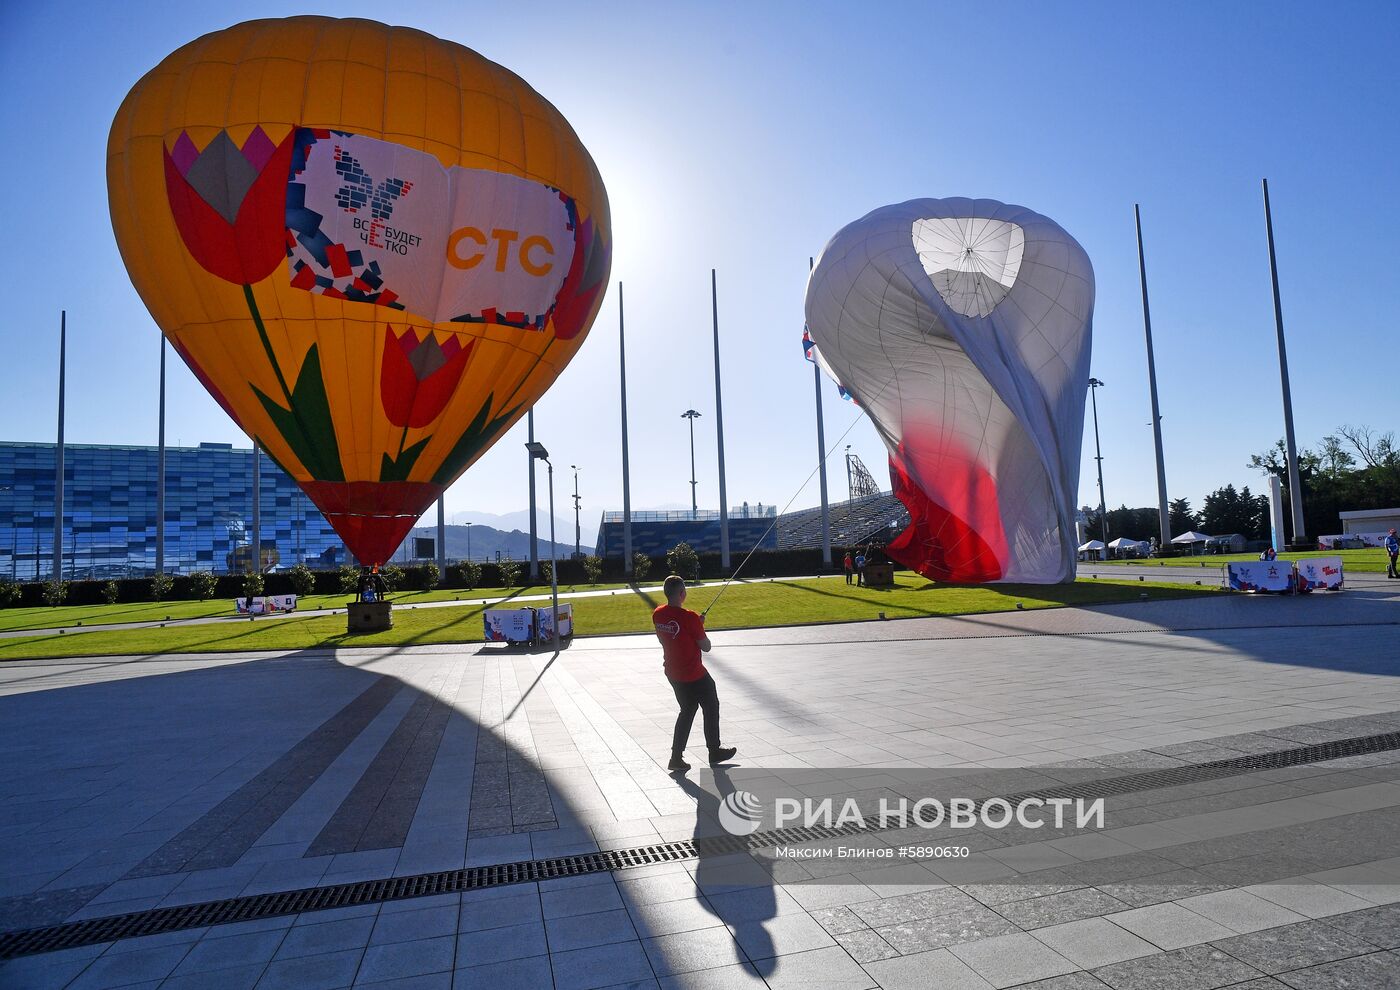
1350 541
546 619
1320 574
265 604
509 625
1263 575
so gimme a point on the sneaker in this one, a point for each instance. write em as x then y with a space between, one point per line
678 764
723 755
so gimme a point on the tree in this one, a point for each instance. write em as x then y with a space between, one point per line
252 584
431 576
203 585
55 592
510 571
469 573
641 566
593 568
110 592
1180 517
10 592
160 587
683 560
303 581
393 576
349 579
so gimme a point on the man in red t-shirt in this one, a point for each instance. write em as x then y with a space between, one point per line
683 639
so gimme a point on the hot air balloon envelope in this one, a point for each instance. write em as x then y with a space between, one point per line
962 328
375 248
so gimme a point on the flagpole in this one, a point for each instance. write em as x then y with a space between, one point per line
821 455
160 469
58 470
441 536
1164 516
534 538
719 432
626 479
257 507
1295 486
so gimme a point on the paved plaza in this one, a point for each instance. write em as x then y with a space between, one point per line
134 784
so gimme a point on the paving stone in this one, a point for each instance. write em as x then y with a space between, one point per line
1094 942
220 953
779 936
839 920
967 925
865 946
1169 926
1198 967
323 972
499 912
820 969
400 959
233 978
669 917
911 907
1007 960
936 970
1378 925
333 936
1074 905
1071 981
411 926
580 900
684 952
1312 900
130 967
740 976
1240 911
583 930
517 974
1380 970
1309 943
600 966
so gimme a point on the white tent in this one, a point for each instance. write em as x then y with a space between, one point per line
1091 545
1123 541
961 326
1190 536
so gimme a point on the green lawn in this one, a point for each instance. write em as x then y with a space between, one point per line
787 602
1371 559
99 615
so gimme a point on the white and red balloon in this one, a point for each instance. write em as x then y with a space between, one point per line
962 327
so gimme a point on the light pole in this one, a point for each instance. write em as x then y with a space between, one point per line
578 532
1094 386
537 450
692 415
469 541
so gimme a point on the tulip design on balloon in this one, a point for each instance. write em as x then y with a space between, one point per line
962 327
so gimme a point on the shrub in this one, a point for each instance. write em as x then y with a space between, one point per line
10 593
203 585
303 581
55 592
469 573
110 592
684 561
641 566
161 586
546 572
349 579
509 570
430 576
392 575
592 568
252 584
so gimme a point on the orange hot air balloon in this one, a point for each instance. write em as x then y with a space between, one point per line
376 249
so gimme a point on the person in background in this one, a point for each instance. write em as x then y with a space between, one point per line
1392 549
848 565
683 639
860 568
1269 554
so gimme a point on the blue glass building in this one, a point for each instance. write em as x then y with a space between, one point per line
109 512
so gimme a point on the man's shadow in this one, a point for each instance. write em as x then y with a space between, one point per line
733 886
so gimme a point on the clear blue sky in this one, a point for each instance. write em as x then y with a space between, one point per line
742 136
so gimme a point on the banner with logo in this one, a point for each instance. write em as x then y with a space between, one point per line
374 220
546 621
265 604
1320 574
1263 575
509 625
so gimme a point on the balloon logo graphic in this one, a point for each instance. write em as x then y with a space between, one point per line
962 328
376 249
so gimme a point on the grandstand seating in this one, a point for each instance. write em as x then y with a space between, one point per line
856 522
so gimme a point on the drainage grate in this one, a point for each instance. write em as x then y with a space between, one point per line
158 920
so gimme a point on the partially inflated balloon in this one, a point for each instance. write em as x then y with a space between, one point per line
962 328
375 248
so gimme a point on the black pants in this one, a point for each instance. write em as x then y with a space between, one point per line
848 577
691 695
1391 572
